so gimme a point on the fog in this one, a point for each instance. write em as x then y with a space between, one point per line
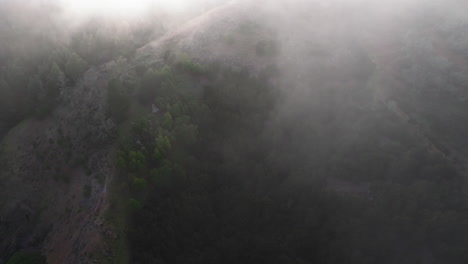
233 131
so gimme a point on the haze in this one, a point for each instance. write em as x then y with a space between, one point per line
234 132
123 7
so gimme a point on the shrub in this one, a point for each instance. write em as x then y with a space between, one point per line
134 204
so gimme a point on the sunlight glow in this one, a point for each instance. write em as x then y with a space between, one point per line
122 7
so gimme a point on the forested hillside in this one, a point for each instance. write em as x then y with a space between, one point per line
267 132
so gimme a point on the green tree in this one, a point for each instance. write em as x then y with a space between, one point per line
176 109
136 161
162 175
163 144
157 154
134 204
168 81
122 160
167 122
138 184
192 67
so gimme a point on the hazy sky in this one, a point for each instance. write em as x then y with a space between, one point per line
122 7
129 7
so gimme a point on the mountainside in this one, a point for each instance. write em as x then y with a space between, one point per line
257 132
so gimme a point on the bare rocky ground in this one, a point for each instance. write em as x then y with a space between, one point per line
59 169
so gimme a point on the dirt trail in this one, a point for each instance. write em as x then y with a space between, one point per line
72 250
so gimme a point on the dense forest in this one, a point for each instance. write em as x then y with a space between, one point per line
220 179
238 137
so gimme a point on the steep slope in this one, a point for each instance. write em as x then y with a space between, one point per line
50 163
59 170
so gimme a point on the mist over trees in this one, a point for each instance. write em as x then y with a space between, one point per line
42 52
258 132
